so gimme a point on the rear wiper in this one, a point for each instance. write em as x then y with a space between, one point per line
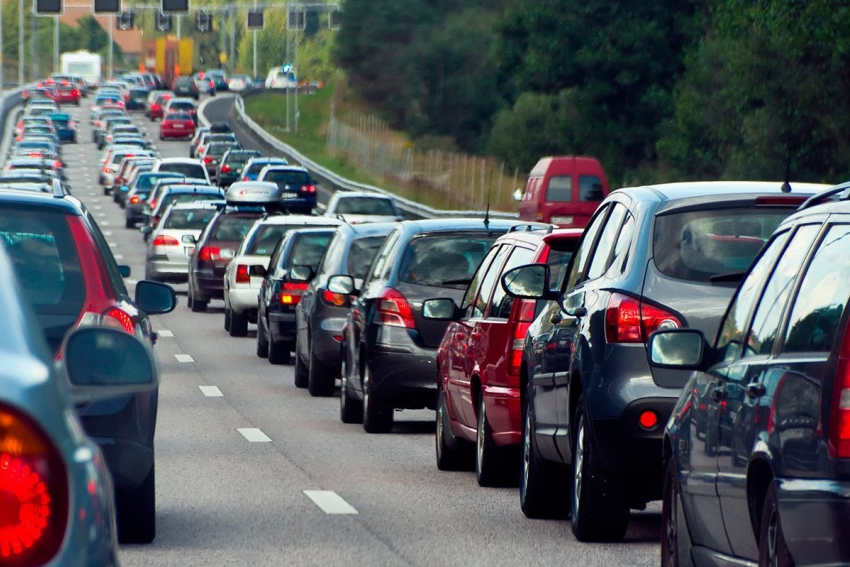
457 282
730 277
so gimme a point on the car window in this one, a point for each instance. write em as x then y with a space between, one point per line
488 282
580 259
365 206
265 238
768 314
307 249
621 248
386 250
361 255
188 219
823 295
444 260
590 189
234 228
732 329
191 170
560 189
560 253
287 177
472 290
239 157
500 306
602 256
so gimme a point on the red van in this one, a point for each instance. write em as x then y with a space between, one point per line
563 190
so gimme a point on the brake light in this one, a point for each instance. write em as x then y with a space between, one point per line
33 492
208 159
628 320
525 316
58 164
839 430
105 169
292 292
308 189
200 149
209 253
245 178
648 419
119 319
165 240
135 200
154 106
226 169
242 275
336 299
394 309
35 154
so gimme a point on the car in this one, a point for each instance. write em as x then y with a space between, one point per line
138 98
168 253
182 105
112 163
389 350
193 143
762 417
211 154
231 164
70 278
176 124
121 130
316 330
137 195
180 192
296 185
155 106
54 167
220 128
242 278
185 87
252 169
68 93
209 137
238 83
652 258
191 168
120 185
218 78
479 359
358 206
66 127
204 84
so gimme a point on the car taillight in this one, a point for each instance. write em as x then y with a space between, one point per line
336 299
105 169
394 309
165 240
308 189
525 316
242 275
209 253
58 164
135 200
628 320
208 159
33 492
839 430
119 319
226 169
154 106
292 292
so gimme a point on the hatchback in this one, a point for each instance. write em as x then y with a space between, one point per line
137 195
357 207
253 168
176 125
231 165
168 249
297 187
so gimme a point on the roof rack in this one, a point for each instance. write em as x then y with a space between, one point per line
529 227
842 191
58 189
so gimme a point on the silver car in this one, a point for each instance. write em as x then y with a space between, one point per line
169 248
358 207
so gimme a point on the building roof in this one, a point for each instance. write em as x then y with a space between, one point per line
129 41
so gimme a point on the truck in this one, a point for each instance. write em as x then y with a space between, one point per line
87 65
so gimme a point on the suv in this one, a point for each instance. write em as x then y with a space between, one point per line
651 258
479 360
764 417
389 348
185 87
297 187
70 278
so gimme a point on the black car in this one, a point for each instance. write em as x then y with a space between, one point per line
757 454
139 191
295 260
230 167
652 258
320 314
185 86
138 97
389 348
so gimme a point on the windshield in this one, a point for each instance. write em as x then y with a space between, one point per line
365 206
190 170
283 177
189 219
445 260
233 228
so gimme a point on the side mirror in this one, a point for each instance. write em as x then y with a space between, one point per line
441 309
301 273
257 270
102 362
341 284
189 239
677 348
145 229
155 298
527 282
125 271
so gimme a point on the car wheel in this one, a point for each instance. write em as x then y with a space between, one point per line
377 415
262 339
320 378
542 484
493 466
198 306
452 454
675 541
129 223
600 511
773 549
238 324
279 353
350 409
136 512
301 372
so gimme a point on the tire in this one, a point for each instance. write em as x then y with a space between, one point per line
493 464
773 549
543 489
238 324
136 512
189 301
452 453
301 372
350 408
600 510
320 378
262 340
377 416
675 540
129 223
279 353
227 319
197 306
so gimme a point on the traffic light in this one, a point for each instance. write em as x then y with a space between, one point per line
125 20
174 6
48 7
203 22
163 22
255 19
107 6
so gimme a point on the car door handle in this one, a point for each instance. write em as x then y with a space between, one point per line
755 390
718 393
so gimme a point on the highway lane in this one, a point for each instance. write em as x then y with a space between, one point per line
223 499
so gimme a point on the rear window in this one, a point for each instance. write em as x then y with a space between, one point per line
233 228
697 245
287 177
118 157
189 219
444 260
218 149
365 206
191 170
590 189
239 157
560 189
308 249
265 239
362 254
181 106
178 116
146 182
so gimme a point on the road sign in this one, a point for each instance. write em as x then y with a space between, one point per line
174 6
222 57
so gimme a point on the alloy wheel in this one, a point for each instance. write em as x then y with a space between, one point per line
579 465
526 452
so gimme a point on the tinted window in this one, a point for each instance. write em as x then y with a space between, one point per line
182 198
602 255
502 302
768 314
362 253
307 250
181 106
383 254
560 253
178 116
365 206
488 282
697 245
823 295
472 290
445 260
584 250
193 170
234 228
265 238
189 219
622 246
560 189
146 182
590 189
218 149
287 177
239 157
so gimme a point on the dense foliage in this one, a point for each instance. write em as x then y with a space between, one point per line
657 89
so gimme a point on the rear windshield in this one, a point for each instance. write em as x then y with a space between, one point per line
444 260
590 189
697 245
265 238
365 206
560 189
362 253
146 182
255 168
185 198
308 250
189 219
287 177
181 106
178 116
239 157
191 170
218 149
118 157
233 228
61 122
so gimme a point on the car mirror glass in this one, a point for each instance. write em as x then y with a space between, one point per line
257 270
341 284
527 282
104 357
155 298
124 271
301 273
681 348
440 309
189 239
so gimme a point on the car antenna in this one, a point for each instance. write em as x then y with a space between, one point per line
786 187
489 192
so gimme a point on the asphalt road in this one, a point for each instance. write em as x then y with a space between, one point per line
223 499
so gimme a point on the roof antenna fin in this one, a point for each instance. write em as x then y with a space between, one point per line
786 187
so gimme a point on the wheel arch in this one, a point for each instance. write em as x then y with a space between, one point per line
759 476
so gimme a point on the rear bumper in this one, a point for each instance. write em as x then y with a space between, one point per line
402 375
242 300
162 269
814 520
212 287
281 326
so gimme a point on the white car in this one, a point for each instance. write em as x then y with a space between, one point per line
172 240
112 162
191 168
242 279
238 83
281 77
358 207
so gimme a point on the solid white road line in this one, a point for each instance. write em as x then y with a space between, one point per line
165 333
211 391
253 435
330 502
184 358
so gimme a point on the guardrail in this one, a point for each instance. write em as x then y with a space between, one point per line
346 184
10 101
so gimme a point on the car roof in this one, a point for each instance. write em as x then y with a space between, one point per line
306 220
62 203
684 190
361 194
216 204
180 160
455 225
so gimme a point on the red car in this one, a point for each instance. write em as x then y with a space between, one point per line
479 359
68 93
157 107
177 125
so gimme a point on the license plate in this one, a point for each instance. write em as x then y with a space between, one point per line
180 126
562 220
187 250
289 196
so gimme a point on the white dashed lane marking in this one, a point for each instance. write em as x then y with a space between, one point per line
165 333
184 358
253 435
211 392
330 502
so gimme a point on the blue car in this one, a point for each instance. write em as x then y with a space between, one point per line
252 169
65 126
298 190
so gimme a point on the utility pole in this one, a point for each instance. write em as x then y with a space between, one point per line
297 77
179 19
111 43
55 43
232 41
34 59
288 59
254 76
2 75
21 54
